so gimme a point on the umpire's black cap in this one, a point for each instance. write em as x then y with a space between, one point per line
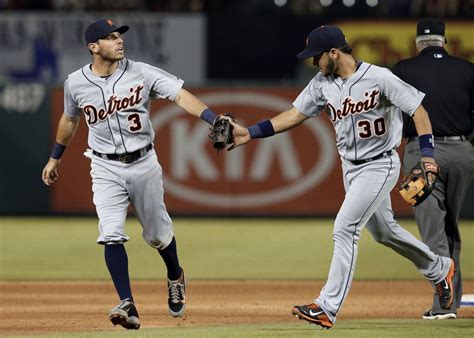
322 39
101 28
430 26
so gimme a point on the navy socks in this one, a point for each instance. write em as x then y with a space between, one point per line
117 262
170 257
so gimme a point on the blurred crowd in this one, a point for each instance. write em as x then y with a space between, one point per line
332 8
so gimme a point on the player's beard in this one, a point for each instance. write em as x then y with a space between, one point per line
330 68
111 56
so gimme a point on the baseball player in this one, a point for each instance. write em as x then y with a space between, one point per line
363 102
113 94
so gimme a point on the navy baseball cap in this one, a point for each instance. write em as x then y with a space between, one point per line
322 39
430 26
101 28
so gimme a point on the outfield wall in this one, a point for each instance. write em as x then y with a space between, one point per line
296 173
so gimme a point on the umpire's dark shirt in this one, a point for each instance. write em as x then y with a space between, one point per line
448 84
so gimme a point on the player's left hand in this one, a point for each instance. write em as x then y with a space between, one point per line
50 172
419 182
431 169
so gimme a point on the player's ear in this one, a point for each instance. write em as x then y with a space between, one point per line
333 53
93 47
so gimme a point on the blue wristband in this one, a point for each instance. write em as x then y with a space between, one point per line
208 115
427 152
58 150
426 142
261 129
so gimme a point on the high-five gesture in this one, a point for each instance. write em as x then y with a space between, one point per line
240 135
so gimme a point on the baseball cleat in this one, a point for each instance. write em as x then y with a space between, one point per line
313 314
125 314
177 296
433 315
445 288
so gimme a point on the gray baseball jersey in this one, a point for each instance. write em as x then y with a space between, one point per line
366 113
116 109
363 109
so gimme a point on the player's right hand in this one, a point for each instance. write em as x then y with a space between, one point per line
240 135
50 172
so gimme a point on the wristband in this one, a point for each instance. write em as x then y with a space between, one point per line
58 150
426 142
208 115
261 129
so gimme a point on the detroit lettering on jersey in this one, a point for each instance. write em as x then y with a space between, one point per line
365 109
114 104
350 107
116 109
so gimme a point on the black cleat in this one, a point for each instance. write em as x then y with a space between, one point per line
433 315
177 296
445 288
125 314
312 313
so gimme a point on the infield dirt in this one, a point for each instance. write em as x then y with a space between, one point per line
29 308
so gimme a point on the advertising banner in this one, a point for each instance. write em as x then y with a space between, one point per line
294 173
46 48
385 43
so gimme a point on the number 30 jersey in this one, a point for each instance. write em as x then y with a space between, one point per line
365 108
116 108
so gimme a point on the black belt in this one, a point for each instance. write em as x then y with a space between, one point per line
442 138
358 162
127 157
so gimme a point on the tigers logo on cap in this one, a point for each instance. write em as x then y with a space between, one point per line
322 39
101 28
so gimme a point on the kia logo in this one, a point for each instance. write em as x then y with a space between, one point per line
190 146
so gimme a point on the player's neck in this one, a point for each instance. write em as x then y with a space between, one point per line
103 67
347 67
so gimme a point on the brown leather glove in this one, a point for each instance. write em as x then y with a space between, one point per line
221 132
418 184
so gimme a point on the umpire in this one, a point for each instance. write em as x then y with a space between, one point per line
448 84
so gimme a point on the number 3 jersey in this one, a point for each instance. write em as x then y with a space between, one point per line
116 108
365 108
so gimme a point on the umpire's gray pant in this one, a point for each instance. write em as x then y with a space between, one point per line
437 217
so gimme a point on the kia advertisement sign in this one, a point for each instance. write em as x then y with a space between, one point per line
269 175
294 173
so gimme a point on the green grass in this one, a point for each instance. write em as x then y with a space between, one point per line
65 249
347 328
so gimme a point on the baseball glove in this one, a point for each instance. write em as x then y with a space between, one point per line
418 184
221 132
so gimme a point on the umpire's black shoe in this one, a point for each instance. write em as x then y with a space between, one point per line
433 315
445 288
177 296
125 314
312 313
